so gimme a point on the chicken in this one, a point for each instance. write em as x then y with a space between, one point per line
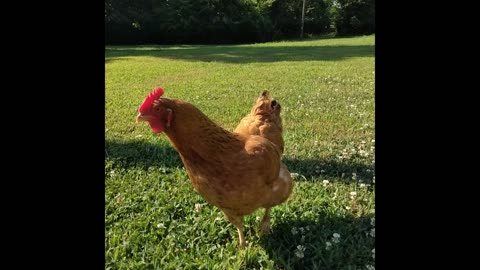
264 120
238 173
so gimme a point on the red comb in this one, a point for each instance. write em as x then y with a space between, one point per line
154 95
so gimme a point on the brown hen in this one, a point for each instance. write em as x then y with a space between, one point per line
238 173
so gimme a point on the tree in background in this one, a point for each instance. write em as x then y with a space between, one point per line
287 15
354 16
230 21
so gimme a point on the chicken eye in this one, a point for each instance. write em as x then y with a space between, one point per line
157 109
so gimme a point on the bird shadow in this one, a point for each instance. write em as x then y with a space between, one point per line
142 154
329 168
302 244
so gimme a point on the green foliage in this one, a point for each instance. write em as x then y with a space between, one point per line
190 21
287 14
355 17
231 21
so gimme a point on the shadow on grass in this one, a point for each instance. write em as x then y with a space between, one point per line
243 54
329 168
141 154
353 251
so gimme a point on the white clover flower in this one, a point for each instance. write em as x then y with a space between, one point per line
353 195
299 251
354 176
363 153
328 245
336 238
348 207
325 182
301 230
362 185
119 198
198 207
161 226
294 230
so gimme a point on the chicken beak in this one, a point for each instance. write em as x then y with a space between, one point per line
141 118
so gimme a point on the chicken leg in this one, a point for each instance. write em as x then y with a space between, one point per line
265 223
238 222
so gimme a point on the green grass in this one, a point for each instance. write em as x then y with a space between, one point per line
326 89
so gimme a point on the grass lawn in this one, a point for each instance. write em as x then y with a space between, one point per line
326 88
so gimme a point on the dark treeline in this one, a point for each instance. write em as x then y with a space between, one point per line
232 21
